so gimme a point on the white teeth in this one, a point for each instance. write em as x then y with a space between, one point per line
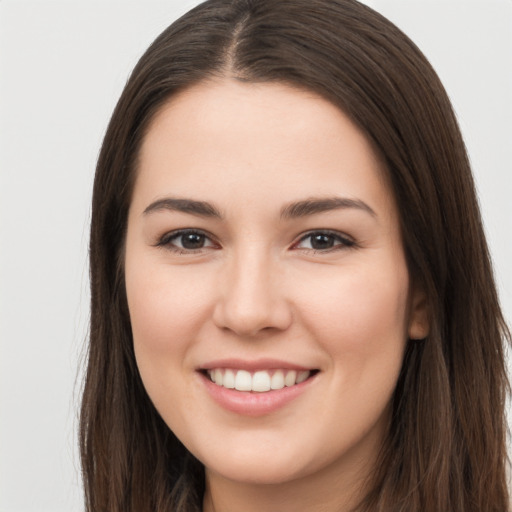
289 380
277 381
217 377
261 381
243 381
301 377
229 379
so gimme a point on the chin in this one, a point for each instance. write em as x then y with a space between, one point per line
265 467
256 473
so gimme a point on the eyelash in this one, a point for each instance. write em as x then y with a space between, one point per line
167 239
342 241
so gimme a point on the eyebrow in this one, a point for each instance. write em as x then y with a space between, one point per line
293 210
323 204
199 208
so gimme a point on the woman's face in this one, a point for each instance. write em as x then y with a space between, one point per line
263 251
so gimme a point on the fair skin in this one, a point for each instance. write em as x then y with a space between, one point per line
268 286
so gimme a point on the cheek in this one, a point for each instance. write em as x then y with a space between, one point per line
359 315
360 322
167 311
164 303
167 308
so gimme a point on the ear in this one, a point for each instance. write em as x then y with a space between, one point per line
419 323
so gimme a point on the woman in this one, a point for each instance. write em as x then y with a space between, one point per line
293 306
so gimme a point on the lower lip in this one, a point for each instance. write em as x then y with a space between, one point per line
253 403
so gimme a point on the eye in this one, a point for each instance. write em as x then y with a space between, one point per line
324 241
186 240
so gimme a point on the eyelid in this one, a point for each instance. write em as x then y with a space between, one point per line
343 240
164 241
346 242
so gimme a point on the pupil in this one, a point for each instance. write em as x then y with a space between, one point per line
192 241
322 241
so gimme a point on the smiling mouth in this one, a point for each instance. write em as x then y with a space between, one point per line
260 381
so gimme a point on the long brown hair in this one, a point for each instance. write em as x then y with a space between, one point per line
446 450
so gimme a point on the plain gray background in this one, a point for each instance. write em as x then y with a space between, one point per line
62 67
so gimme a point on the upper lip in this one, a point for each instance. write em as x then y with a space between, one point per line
253 365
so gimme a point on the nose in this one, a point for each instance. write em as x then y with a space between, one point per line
251 297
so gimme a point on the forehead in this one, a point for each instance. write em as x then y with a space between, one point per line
225 137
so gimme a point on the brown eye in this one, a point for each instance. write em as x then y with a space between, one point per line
321 241
186 240
192 240
324 241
